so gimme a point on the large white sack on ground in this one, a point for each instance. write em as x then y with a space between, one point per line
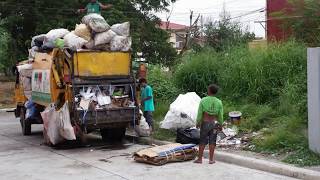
83 31
182 113
104 37
57 124
73 41
121 29
96 22
56 33
120 43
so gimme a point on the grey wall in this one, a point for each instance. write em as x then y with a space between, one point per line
314 99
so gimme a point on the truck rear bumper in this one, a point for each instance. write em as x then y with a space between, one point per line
108 118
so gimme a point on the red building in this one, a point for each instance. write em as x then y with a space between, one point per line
275 27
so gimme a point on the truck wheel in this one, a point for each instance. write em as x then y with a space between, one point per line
113 135
25 125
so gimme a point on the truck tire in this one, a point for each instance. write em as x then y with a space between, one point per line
25 125
113 135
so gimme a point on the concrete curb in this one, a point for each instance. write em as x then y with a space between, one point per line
7 110
252 163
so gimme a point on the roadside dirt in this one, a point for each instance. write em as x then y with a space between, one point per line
6 94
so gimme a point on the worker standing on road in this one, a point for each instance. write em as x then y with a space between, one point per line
210 110
147 102
94 7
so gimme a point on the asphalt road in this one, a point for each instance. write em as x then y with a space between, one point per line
25 157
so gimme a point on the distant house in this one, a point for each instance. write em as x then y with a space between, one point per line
177 32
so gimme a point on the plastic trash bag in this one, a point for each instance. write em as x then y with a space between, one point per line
121 29
74 41
38 40
55 34
182 113
188 136
96 22
66 130
51 124
143 128
120 43
57 124
104 37
32 52
83 31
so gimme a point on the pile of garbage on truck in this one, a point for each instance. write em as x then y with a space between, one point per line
100 97
93 33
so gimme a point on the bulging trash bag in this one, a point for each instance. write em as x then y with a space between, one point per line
96 22
121 29
74 41
38 40
57 124
143 128
182 113
83 31
32 52
120 43
104 37
188 136
55 34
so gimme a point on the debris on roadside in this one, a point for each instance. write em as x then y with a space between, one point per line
227 137
161 155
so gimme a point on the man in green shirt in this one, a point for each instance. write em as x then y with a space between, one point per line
210 110
94 7
147 102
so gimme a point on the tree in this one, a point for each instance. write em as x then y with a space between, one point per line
223 34
24 19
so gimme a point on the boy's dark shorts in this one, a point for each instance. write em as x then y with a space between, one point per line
208 133
148 116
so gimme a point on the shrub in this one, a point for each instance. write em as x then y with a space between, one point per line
162 84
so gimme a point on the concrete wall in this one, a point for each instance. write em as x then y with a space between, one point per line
314 99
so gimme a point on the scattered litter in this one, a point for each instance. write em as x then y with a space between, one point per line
161 155
227 137
182 113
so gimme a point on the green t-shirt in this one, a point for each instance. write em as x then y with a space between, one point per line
93 8
211 105
147 105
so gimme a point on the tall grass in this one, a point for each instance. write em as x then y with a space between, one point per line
267 85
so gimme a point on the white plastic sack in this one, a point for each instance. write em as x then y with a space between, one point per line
182 113
74 41
83 31
57 124
32 52
121 29
56 33
51 125
120 43
104 37
66 129
143 128
96 22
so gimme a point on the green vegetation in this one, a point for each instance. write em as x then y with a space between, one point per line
267 85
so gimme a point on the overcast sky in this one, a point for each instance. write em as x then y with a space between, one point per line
212 8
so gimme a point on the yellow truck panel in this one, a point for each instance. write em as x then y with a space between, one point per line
94 64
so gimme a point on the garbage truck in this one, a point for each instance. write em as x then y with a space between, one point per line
98 86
